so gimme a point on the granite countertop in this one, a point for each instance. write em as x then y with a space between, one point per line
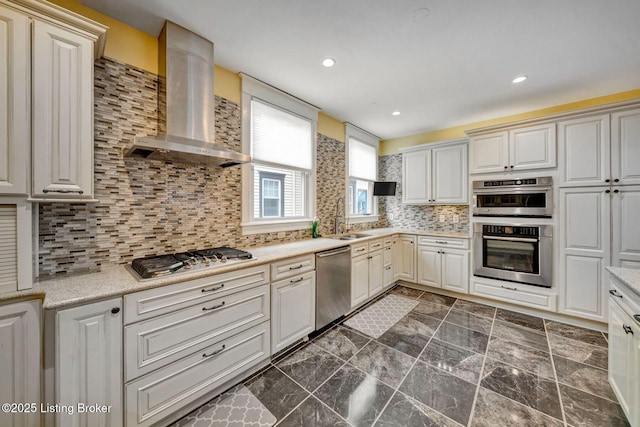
116 280
630 277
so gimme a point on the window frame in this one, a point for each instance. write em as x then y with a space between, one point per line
255 89
362 136
275 177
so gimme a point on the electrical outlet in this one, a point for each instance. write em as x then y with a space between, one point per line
390 217
456 219
282 235
442 218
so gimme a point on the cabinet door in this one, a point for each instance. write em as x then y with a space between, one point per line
62 114
429 266
584 151
450 182
489 153
533 147
626 227
375 273
89 362
416 172
620 356
20 362
293 307
455 270
406 259
359 280
584 251
625 147
15 110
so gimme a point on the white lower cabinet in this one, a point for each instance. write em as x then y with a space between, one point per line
624 350
405 258
442 267
195 378
367 278
20 362
293 308
88 367
388 258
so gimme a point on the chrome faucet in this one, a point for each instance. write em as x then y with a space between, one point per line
340 219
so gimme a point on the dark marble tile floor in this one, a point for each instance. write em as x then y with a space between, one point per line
449 362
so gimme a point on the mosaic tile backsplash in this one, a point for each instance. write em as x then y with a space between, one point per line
417 217
151 207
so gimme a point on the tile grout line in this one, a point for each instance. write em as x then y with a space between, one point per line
484 361
555 374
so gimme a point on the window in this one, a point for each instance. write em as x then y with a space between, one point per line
278 186
363 172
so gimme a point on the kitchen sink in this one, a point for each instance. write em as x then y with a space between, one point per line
352 236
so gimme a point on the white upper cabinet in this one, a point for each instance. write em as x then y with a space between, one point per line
62 114
435 173
625 147
14 101
532 147
625 209
46 101
584 147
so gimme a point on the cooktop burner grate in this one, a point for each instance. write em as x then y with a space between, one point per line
161 265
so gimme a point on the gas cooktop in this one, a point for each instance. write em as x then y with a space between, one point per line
162 265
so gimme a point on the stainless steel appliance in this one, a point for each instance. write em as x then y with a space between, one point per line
525 197
333 285
517 253
162 265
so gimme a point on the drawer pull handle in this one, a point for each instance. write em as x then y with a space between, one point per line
214 307
296 267
215 352
217 288
45 191
388 249
296 280
388 268
442 243
506 287
360 250
615 293
627 329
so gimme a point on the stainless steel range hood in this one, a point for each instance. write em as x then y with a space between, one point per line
186 122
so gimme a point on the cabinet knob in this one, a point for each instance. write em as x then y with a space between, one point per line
607 180
616 180
511 166
607 191
506 167
115 310
616 191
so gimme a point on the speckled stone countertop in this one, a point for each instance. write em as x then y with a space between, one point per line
630 277
117 280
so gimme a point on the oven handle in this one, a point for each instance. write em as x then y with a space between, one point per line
511 239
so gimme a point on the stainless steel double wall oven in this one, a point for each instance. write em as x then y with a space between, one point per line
512 249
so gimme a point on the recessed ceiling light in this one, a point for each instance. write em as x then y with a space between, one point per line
395 113
328 62
519 79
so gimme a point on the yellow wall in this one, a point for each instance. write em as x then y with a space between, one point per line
391 146
331 127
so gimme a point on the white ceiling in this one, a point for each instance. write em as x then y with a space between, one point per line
440 63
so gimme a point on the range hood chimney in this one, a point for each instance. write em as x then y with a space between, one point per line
186 104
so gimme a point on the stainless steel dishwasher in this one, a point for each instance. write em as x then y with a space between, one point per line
333 285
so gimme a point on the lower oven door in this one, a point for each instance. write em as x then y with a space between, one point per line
516 259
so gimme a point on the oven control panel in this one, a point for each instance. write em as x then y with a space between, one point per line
510 230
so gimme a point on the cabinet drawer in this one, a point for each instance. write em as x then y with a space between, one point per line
387 255
447 242
292 266
387 241
514 295
153 397
154 302
627 300
374 245
156 342
359 249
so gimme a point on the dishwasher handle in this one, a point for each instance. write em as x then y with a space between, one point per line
334 252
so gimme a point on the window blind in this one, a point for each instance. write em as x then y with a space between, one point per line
280 137
8 248
362 160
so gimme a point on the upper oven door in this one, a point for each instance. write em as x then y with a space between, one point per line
513 202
